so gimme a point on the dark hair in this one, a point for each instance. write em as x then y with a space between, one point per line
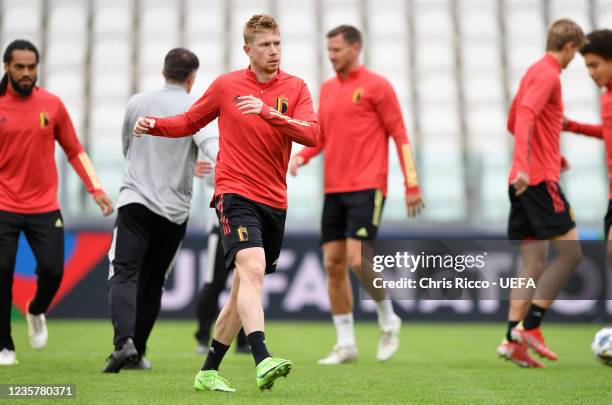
18 44
179 64
350 34
599 42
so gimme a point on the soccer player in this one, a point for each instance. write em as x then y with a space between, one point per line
597 53
215 279
31 120
540 214
358 110
154 203
261 111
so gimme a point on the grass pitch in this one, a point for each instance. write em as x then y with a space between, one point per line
437 363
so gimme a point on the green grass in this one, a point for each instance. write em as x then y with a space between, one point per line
437 363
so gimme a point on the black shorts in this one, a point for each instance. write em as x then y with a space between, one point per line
608 220
44 233
541 212
354 215
245 223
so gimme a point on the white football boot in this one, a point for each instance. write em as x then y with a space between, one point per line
388 343
37 330
340 355
7 357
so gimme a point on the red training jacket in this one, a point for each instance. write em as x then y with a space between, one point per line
358 114
536 120
29 127
254 150
601 131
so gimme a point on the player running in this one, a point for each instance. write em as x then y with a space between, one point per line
597 53
359 111
215 276
154 203
250 185
540 214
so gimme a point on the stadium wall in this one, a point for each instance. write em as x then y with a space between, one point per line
297 291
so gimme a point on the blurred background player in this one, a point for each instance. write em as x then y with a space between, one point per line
31 120
215 276
540 214
250 184
154 203
597 53
358 110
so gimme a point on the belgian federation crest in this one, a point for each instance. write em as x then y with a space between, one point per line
243 234
282 104
357 95
43 119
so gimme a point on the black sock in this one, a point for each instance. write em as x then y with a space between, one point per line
215 355
511 325
534 317
241 340
257 342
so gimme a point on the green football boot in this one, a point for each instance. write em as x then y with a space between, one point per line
210 380
270 369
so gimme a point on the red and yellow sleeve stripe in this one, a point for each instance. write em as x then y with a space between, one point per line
90 171
288 119
412 179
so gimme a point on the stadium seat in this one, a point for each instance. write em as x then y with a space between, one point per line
430 90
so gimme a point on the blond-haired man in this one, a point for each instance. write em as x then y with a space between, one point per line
540 214
261 111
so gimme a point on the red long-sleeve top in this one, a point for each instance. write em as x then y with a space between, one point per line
536 120
601 131
29 127
358 114
254 150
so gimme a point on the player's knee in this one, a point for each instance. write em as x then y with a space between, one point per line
51 268
252 272
572 254
337 279
124 270
256 276
51 282
334 265
539 265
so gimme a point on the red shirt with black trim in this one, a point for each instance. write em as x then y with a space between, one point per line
254 150
358 114
29 127
536 120
601 131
